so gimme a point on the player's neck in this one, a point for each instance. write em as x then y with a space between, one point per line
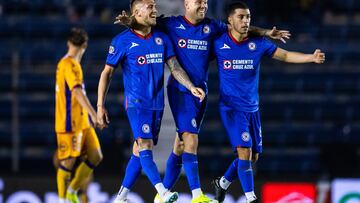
142 30
75 54
239 37
192 20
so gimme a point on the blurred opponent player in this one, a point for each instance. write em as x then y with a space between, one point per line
238 55
192 36
82 192
74 121
142 53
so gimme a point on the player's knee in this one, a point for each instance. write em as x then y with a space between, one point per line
145 144
190 142
95 158
68 163
178 147
244 153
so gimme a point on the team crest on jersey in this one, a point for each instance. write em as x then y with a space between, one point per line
227 64
146 128
252 46
141 60
158 41
193 123
111 50
245 136
182 43
206 29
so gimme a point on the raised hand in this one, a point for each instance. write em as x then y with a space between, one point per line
319 57
198 92
281 35
124 19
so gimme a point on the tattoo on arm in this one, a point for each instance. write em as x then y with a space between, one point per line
179 74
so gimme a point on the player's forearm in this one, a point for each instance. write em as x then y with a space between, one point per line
84 101
179 74
297 57
258 31
103 87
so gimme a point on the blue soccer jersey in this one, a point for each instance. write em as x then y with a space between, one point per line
239 67
192 44
142 60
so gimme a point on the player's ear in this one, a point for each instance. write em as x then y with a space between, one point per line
186 4
229 20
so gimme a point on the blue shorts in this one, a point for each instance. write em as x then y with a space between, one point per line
243 128
187 110
145 123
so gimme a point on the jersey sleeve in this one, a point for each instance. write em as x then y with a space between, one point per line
220 27
116 53
169 48
162 23
73 76
269 47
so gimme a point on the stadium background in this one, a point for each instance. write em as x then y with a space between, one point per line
310 113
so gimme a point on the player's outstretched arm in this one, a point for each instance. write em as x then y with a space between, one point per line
274 33
85 103
297 57
180 75
103 87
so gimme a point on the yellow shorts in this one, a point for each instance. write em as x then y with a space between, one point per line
74 144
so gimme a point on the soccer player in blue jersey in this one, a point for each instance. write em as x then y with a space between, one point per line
238 57
192 36
142 53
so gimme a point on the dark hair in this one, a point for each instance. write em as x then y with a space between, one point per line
78 36
235 5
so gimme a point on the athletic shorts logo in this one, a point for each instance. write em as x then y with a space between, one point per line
206 29
111 50
146 128
245 136
182 43
227 64
141 60
158 41
63 147
193 123
252 46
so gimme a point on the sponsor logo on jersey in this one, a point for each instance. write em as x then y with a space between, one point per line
227 64
252 46
182 43
245 136
193 44
158 41
150 59
146 128
141 60
242 64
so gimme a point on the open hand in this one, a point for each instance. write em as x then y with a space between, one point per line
124 19
281 35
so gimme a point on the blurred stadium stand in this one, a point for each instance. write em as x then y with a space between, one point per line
310 113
